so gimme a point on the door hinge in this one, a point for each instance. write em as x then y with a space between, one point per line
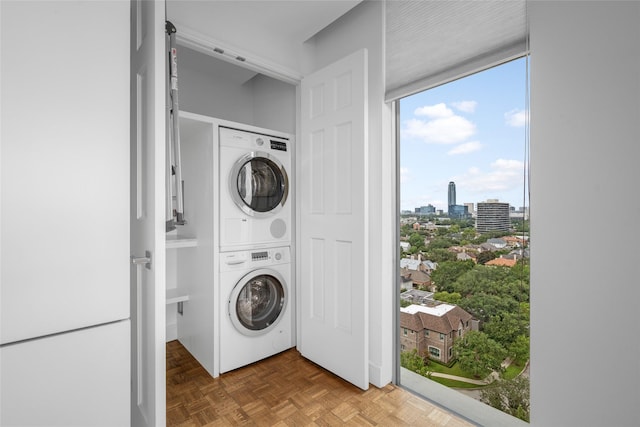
145 260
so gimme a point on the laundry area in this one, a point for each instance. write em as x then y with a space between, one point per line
230 293
232 192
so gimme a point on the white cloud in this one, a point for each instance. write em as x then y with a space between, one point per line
434 111
504 175
465 106
516 118
466 148
513 165
442 130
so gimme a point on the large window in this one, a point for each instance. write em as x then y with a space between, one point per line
434 352
464 228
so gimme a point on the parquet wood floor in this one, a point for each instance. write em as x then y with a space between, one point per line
286 390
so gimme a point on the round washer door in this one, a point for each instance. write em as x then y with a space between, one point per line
257 302
259 184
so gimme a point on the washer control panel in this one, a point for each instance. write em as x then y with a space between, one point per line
259 256
254 258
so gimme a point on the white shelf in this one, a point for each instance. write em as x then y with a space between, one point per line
175 296
174 241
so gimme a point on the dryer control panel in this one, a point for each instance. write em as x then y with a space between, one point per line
236 138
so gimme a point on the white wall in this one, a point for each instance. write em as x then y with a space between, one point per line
65 333
64 167
274 104
214 88
585 127
363 27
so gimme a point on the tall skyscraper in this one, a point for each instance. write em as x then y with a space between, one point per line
452 193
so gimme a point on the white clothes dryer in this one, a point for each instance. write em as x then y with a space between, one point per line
255 188
255 306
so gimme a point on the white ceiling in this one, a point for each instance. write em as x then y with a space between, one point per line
296 20
271 29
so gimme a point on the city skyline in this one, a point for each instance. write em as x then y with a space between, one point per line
471 132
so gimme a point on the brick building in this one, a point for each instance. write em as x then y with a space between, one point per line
432 330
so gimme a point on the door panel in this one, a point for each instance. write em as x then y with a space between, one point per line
333 219
64 164
78 378
147 213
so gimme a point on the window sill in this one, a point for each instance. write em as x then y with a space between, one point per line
453 401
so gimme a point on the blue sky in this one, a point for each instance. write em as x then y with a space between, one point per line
470 131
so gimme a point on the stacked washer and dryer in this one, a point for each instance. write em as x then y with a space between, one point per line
256 293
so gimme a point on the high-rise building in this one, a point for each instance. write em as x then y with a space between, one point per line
470 209
458 211
492 215
452 193
426 210
453 210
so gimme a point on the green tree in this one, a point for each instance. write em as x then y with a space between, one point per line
505 328
452 298
484 306
484 257
448 272
478 354
417 241
440 255
525 311
406 229
520 226
483 279
519 349
468 235
510 396
412 361
441 243
442 231
405 303
520 271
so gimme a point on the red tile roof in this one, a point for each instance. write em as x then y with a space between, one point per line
504 262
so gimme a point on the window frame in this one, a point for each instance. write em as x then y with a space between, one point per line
430 347
452 400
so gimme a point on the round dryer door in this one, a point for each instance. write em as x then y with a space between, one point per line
259 184
257 302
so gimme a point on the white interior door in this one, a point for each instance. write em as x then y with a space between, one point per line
147 213
333 219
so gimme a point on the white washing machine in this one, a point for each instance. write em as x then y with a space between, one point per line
255 305
255 188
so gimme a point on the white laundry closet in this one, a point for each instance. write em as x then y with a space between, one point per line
325 89
212 92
